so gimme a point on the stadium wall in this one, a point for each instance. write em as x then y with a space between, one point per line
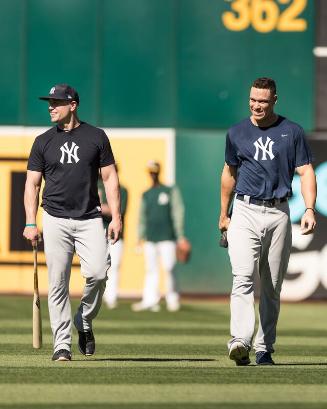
156 63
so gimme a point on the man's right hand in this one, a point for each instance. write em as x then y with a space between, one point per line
223 223
32 233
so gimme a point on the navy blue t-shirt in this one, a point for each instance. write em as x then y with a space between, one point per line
266 158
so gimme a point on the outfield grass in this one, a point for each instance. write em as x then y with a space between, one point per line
163 361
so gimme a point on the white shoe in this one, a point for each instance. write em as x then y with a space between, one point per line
140 306
173 306
239 353
111 305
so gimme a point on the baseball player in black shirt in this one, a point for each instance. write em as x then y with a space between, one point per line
68 156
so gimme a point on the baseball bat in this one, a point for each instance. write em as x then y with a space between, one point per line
37 323
223 239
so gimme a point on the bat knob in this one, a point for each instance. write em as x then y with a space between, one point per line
223 239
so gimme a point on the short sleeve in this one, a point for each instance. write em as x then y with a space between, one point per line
106 155
231 157
303 155
36 159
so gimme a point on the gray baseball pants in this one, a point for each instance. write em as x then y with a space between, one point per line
61 238
260 241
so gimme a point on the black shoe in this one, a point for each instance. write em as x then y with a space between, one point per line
62 355
86 343
263 358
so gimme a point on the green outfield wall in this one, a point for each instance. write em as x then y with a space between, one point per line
156 63
200 160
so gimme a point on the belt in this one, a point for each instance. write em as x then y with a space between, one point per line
262 202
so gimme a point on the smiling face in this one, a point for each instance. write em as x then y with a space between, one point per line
61 110
262 103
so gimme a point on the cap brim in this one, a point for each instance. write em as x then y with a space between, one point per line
59 99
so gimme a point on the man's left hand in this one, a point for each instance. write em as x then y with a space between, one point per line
114 230
308 222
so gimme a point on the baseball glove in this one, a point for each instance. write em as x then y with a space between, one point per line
183 250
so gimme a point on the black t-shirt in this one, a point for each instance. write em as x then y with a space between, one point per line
266 158
70 162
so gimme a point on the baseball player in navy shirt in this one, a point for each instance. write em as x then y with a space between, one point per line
262 154
68 156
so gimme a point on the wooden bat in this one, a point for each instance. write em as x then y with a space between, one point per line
37 323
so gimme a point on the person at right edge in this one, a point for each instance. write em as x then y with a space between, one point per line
161 224
262 153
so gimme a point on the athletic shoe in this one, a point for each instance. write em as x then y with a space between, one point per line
239 353
140 306
263 358
111 305
62 355
86 343
173 306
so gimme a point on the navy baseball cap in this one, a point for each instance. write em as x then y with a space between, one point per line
62 91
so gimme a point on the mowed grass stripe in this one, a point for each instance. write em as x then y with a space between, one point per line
220 361
129 339
107 323
134 327
294 337
182 332
179 348
160 375
22 337
170 394
285 355
191 312
188 405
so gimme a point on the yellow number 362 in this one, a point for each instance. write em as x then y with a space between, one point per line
265 15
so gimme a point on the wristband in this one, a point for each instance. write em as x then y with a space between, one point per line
30 225
310 208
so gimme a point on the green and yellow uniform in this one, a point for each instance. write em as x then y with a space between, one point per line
161 214
123 203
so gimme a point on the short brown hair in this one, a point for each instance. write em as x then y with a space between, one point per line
265 83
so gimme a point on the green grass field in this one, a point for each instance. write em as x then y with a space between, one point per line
163 361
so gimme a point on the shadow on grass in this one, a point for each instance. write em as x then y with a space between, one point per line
155 373
300 364
147 360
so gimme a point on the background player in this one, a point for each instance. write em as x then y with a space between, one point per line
161 223
68 156
116 251
262 153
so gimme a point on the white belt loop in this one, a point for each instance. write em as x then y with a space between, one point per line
247 199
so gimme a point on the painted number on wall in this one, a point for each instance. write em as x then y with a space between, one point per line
265 15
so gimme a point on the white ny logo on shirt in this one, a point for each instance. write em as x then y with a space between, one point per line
71 153
266 148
